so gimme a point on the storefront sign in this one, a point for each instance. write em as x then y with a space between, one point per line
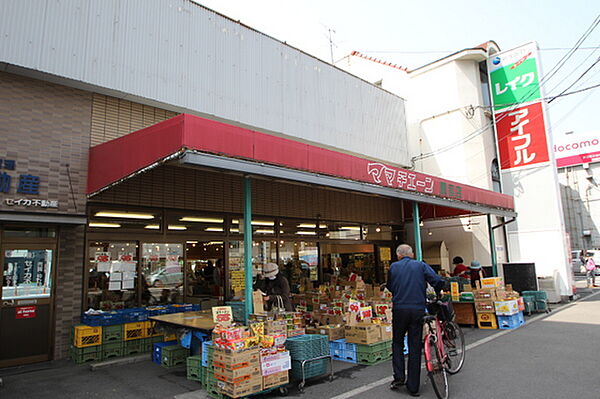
222 315
518 108
25 312
577 149
521 137
27 202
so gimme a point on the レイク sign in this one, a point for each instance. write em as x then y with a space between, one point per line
518 109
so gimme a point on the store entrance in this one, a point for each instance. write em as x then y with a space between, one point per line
341 260
204 271
27 302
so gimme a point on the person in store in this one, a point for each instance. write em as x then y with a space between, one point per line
407 281
460 269
476 273
275 284
208 271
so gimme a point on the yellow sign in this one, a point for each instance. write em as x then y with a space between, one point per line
385 253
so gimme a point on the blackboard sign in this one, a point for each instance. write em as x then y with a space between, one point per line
522 276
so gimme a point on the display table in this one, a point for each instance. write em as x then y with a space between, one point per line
465 313
200 320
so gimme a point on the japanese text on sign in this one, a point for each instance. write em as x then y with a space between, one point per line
28 184
31 202
403 179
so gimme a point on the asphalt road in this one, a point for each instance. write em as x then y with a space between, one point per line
551 356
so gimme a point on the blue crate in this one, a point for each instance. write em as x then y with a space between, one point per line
156 310
104 319
511 322
157 350
205 346
337 344
134 314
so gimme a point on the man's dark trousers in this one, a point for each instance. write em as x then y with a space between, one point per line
411 321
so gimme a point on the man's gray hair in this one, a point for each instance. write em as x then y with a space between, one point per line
404 250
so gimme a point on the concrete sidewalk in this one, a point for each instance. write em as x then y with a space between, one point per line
518 363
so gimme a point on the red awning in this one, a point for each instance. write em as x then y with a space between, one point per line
121 158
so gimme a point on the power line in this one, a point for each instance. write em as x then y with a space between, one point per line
576 80
453 51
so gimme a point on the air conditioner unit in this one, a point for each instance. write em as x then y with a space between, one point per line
550 285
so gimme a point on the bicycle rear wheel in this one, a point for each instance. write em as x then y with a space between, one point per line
435 368
454 343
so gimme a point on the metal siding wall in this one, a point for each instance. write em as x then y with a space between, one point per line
189 58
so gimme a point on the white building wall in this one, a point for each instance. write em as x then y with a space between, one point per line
186 58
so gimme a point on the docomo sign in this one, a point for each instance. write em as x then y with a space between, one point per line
577 149
521 137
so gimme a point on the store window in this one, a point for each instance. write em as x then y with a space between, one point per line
297 228
342 231
112 278
377 232
262 252
260 227
299 263
186 223
27 273
162 273
205 268
103 219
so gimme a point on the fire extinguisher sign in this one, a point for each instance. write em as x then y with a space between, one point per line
26 312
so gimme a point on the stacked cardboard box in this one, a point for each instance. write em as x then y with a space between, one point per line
238 372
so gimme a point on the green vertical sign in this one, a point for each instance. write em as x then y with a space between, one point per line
515 83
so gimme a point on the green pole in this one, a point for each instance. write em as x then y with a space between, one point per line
492 246
248 244
417 227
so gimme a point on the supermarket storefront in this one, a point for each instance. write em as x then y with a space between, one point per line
167 224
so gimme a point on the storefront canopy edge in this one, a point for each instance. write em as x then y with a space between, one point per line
204 142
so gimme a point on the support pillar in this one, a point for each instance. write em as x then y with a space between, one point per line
492 246
248 244
417 227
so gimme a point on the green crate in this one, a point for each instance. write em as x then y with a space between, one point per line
373 358
209 378
112 333
172 356
194 374
112 349
311 369
85 355
134 347
372 348
194 361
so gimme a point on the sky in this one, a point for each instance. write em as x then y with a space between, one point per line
414 33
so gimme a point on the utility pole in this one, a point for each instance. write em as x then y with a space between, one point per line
331 43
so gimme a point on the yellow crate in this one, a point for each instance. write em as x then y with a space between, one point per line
84 336
170 337
487 321
135 330
150 330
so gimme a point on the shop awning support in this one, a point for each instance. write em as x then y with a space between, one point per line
417 227
492 246
248 244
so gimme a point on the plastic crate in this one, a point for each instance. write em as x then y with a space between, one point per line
194 373
86 354
208 377
311 369
112 333
207 349
372 358
345 356
487 321
134 314
84 336
133 347
150 329
113 349
172 356
309 346
103 319
511 322
136 330
372 348
149 343
157 350
156 310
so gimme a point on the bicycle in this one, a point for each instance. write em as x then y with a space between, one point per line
444 346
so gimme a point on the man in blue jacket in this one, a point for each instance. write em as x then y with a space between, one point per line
407 280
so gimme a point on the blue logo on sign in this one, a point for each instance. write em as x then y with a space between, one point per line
496 61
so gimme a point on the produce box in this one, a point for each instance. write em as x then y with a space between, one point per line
386 331
363 333
276 379
507 308
236 374
276 327
484 294
484 306
275 363
332 332
232 359
241 389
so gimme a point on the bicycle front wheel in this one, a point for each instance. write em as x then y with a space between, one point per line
454 344
435 369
